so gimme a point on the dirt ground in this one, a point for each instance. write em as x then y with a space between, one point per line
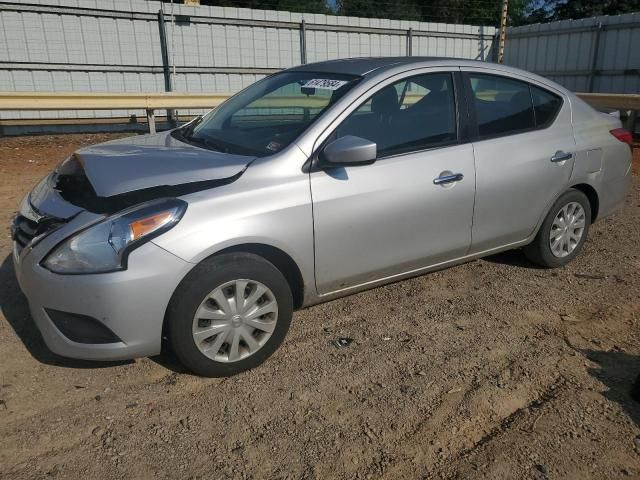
494 369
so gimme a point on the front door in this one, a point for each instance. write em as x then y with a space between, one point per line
410 209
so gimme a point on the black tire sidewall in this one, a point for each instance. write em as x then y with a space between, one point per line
542 253
203 279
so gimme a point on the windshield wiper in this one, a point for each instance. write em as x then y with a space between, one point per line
225 147
187 130
186 133
213 145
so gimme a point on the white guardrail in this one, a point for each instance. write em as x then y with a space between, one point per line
149 102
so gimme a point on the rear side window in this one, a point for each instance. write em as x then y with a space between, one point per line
546 105
503 106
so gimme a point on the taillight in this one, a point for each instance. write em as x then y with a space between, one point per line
623 135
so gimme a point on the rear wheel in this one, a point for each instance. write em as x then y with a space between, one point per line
229 314
563 232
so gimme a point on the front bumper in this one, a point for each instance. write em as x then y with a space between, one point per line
131 303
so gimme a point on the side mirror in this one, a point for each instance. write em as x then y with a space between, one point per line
348 150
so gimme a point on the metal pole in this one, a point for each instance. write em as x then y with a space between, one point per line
172 116
164 52
303 42
168 86
173 43
503 30
410 42
594 57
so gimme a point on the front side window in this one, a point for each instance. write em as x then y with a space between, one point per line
270 114
503 106
413 114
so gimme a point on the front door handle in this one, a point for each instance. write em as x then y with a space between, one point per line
561 156
444 179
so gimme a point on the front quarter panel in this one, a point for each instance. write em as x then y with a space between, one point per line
269 204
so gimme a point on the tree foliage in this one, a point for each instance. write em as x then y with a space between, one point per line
553 10
309 6
474 12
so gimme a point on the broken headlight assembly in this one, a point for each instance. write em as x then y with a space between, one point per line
105 246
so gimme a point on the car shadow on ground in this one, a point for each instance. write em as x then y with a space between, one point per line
619 372
167 359
514 258
15 309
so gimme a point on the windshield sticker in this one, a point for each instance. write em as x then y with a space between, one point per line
324 83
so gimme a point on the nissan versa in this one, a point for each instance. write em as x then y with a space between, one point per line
312 183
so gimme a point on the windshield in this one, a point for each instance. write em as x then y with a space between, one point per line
267 116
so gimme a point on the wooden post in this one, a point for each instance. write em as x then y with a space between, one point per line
632 121
151 120
503 30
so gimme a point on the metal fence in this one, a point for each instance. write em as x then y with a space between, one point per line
598 54
131 46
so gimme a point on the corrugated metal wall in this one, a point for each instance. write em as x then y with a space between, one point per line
580 54
114 46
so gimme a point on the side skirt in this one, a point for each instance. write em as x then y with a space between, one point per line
412 273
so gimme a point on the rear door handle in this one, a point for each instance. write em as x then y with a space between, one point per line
561 156
444 179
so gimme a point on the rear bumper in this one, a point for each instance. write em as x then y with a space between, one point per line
130 303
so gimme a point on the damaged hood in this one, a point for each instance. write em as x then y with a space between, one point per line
138 163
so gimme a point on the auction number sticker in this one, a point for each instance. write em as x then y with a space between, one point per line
324 83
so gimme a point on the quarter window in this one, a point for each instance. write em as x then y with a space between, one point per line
546 105
409 115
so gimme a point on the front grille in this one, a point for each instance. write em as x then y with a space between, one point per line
24 230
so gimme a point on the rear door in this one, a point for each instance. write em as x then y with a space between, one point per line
407 210
524 149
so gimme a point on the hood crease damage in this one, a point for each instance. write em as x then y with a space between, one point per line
109 177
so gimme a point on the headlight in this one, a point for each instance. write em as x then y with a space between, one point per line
105 246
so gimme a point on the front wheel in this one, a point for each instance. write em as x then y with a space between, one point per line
229 314
563 232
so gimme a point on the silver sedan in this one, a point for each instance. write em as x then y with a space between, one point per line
313 183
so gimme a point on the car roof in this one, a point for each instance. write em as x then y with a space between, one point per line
373 66
367 65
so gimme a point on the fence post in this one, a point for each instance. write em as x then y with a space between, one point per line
303 42
594 57
151 120
410 42
165 60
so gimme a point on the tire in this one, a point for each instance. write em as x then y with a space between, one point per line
243 346
540 251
